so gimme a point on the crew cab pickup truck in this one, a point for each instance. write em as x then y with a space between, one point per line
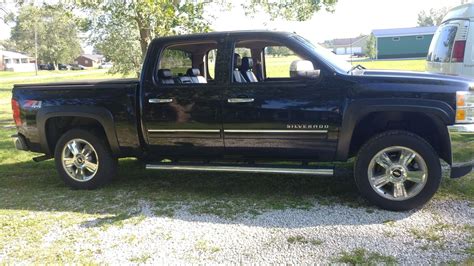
224 101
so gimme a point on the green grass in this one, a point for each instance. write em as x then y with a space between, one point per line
7 81
412 65
298 239
362 256
280 66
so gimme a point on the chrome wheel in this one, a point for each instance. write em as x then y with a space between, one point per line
397 173
80 160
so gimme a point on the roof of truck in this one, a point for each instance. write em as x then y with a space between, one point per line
220 34
465 11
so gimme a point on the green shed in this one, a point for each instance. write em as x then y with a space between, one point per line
403 42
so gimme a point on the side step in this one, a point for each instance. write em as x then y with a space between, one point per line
243 168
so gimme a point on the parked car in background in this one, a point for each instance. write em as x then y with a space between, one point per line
106 65
77 67
46 67
63 67
451 48
359 55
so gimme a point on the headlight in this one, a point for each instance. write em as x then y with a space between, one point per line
464 107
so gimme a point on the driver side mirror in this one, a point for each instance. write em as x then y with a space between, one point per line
303 69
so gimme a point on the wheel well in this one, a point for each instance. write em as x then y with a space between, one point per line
429 128
57 126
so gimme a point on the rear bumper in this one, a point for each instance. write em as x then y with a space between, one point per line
462 149
20 142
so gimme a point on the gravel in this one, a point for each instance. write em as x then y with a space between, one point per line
434 234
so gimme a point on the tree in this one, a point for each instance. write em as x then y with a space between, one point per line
371 46
122 30
299 10
56 29
433 18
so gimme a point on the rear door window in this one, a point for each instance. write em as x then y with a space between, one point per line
177 61
442 45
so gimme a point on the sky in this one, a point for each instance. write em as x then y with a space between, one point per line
351 18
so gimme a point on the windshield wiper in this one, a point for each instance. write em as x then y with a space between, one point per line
361 67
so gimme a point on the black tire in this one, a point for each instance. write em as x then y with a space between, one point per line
107 163
404 139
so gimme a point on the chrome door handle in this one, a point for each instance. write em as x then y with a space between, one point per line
160 100
240 100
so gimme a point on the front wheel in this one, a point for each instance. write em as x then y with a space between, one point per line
83 160
397 170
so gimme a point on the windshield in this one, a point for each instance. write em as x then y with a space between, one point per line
339 64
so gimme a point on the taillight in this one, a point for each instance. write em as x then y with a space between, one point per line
16 112
458 51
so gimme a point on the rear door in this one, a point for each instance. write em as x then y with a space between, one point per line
182 118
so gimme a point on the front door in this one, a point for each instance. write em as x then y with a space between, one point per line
281 117
182 113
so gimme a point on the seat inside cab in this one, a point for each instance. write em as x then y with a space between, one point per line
259 60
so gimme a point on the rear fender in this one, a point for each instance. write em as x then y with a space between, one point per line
100 114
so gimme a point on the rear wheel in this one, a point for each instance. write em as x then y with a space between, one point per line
397 170
83 160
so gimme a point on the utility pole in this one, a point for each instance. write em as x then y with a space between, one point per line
36 52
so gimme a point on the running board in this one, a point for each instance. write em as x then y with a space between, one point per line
244 169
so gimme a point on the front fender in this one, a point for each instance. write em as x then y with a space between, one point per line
358 109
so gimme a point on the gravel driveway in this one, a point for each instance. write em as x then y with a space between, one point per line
437 233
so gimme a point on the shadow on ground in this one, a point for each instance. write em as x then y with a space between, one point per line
136 192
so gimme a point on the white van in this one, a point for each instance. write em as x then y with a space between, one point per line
452 48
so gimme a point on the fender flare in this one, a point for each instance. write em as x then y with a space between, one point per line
100 114
358 109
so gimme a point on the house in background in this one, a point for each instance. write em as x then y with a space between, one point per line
403 42
90 60
348 46
16 62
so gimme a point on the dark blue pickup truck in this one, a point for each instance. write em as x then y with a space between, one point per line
225 101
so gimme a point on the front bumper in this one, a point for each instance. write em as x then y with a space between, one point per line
462 149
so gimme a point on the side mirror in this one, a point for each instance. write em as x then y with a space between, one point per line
303 69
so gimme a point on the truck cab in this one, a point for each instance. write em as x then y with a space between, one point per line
204 95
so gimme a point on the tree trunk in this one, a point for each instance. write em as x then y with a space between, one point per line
145 33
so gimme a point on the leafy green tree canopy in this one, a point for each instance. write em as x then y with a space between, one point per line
56 29
433 17
122 30
371 46
299 10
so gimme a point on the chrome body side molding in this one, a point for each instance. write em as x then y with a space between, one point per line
274 131
184 130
